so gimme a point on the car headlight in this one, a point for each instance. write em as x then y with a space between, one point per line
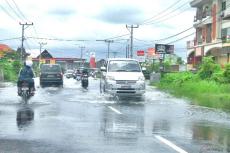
110 78
141 78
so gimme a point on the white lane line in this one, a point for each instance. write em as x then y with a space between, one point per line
170 144
115 110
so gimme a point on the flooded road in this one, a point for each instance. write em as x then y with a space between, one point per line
75 120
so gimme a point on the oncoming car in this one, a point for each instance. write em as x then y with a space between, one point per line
51 74
122 77
69 74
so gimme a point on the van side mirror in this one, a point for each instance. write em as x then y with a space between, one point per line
143 69
103 69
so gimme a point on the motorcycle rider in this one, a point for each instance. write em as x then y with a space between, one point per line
26 74
85 72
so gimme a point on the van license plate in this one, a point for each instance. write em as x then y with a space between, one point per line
125 87
25 88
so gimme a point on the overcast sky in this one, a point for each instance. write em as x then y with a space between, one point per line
93 20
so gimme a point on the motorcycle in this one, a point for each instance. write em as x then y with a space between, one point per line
25 91
84 81
78 77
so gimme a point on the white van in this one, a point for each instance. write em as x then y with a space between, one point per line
122 77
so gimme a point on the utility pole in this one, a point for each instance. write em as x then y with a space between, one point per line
23 38
127 49
82 47
108 42
114 54
131 38
40 56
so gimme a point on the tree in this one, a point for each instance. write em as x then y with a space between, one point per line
179 61
208 67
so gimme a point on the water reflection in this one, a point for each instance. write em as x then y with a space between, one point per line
161 125
129 125
25 116
218 137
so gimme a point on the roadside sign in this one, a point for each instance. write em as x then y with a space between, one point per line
141 59
164 49
160 48
140 53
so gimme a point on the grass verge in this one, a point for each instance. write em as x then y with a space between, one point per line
200 92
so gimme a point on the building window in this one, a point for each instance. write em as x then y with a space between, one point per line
225 35
199 36
209 33
223 5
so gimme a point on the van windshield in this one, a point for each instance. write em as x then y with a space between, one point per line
124 66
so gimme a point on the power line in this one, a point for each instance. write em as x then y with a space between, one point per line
10 39
13 10
169 13
4 10
181 38
19 10
162 39
57 39
169 17
118 36
171 6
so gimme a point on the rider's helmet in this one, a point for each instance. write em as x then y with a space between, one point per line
28 63
85 71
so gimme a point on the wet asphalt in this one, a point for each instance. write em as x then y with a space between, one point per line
75 120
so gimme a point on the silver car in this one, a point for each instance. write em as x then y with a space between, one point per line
122 77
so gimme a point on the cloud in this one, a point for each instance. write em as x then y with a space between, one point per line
62 12
121 15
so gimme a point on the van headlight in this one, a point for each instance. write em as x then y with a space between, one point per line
141 78
110 78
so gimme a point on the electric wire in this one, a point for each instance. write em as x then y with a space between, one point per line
12 17
171 6
13 10
169 13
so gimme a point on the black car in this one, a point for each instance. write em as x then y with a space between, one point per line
51 74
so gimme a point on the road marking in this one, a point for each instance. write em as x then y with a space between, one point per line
115 110
170 144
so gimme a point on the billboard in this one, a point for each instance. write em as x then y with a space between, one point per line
151 52
164 49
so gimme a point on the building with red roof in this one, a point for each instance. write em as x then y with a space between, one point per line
4 49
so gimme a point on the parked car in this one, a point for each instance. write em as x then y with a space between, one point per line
122 77
51 74
69 74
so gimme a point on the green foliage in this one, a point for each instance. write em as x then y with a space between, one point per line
167 66
178 78
10 68
179 61
226 73
16 66
209 87
155 67
12 56
208 67
201 92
